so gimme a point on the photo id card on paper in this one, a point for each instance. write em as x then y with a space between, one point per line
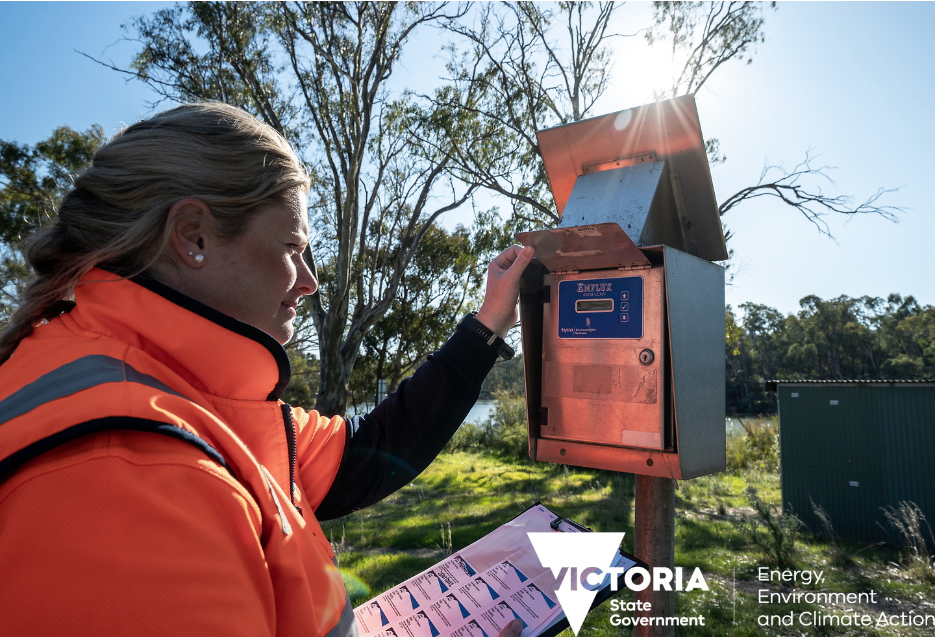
449 611
508 576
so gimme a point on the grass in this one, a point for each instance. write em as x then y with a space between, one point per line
469 494
464 495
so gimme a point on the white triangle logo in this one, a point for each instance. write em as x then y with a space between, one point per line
575 552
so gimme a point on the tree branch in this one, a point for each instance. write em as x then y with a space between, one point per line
814 205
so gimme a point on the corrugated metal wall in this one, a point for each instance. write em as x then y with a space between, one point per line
854 449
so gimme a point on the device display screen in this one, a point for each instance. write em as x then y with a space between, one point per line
597 305
607 307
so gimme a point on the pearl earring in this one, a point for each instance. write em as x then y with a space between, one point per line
198 258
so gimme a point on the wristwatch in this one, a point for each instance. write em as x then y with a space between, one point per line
492 339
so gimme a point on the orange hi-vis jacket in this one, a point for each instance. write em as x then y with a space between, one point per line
207 529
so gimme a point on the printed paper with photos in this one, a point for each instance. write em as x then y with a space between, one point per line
474 592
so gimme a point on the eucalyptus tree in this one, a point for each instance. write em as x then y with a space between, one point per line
528 66
906 336
386 163
741 390
319 72
33 178
706 35
844 338
546 64
442 281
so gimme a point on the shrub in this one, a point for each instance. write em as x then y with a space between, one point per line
507 426
918 540
756 448
504 432
774 534
469 436
839 557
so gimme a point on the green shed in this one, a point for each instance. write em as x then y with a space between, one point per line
855 448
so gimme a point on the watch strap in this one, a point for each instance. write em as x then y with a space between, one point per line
493 340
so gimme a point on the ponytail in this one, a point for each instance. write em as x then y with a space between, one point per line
115 215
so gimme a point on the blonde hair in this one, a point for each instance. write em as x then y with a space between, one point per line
115 214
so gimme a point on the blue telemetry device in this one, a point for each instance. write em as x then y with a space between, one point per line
600 308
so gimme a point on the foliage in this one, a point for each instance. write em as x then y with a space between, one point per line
473 493
706 35
745 392
469 437
504 432
866 338
918 539
839 554
32 181
528 66
442 283
305 377
755 449
773 533
318 72
14 275
508 425
34 178
505 375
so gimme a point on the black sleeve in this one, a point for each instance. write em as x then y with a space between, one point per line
389 447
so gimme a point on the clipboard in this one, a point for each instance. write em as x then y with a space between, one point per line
477 590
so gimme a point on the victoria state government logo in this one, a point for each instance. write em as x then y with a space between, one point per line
584 563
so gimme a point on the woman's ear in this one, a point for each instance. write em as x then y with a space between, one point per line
189 222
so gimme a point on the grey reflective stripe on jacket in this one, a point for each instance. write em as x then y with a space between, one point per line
347 626
71 378
92 371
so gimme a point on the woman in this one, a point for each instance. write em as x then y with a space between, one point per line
151 481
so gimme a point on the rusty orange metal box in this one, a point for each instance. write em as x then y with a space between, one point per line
622 311
650 400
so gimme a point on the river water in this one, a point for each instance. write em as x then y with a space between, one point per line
484 408
480 411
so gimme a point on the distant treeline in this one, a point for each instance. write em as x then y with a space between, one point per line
505 376
866 338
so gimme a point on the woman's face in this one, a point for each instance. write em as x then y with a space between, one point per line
260 276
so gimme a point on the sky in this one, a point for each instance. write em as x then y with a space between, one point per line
853 83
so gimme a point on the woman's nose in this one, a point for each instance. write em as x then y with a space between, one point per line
306 281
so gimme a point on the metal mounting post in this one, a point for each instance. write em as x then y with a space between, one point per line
654 544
